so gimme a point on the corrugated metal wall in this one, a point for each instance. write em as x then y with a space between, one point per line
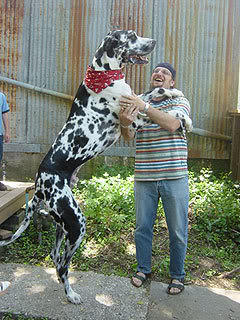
201 38
49 44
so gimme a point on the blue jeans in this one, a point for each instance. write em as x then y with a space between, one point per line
175 196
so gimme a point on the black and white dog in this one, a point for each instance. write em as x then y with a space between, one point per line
92 126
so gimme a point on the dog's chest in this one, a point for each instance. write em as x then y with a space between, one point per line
93 125
109 97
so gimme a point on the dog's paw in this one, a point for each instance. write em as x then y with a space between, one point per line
170 93
162 92
175 93
74 298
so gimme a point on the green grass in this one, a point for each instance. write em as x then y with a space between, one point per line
108 247
11 316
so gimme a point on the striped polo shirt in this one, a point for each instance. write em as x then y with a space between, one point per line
161 154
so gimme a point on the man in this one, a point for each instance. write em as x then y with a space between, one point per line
4 109
160 172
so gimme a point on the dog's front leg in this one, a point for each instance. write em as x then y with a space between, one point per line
74 179
161 93
141 121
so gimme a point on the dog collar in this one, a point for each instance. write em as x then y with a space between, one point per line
99 80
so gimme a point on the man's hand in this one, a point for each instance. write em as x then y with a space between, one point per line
7 138
6 127
127 115
132 101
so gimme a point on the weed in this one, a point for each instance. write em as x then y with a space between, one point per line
11 316
107 200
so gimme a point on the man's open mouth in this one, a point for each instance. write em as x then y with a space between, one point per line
158 80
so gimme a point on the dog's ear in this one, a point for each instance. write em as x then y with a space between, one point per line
99 53
108 46
110 43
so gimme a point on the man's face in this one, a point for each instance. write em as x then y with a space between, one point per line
162 77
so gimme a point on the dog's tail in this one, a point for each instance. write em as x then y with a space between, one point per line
24 224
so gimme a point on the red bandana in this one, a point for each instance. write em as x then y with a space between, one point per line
99 80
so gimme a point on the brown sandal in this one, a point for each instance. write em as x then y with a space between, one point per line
179 286
141 278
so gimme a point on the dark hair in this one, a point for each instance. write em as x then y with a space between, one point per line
167 66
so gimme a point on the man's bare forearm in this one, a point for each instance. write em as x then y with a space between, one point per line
127 133
163 119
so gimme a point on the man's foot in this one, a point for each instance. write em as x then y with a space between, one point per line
4 285
175 286
3 187
138 279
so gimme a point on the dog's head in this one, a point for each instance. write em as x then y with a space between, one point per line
121 47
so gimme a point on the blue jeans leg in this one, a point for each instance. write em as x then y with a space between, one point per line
174 195
146 203
175 199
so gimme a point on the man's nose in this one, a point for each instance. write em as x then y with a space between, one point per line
159 72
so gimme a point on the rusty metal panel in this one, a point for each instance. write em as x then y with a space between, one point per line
28 53
201 38
91 20
134 15
12 55
49 44
89 23
47 64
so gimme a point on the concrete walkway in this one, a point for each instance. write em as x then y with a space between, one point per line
195 303
35 292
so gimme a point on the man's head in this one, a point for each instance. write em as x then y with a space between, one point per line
163 76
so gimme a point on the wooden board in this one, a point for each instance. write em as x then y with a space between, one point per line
4 234
235 153
13 199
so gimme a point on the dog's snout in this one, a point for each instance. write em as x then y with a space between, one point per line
153 42
161 91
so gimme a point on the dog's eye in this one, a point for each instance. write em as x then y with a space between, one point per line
133 36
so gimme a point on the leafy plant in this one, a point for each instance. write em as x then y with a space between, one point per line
107 200
216 206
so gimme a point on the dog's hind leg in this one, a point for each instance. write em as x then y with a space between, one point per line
55 253
73 240
68 215
70 249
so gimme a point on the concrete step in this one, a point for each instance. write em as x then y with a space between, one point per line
35 292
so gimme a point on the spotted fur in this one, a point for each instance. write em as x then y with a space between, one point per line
92 127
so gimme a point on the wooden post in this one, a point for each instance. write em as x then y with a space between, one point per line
235 152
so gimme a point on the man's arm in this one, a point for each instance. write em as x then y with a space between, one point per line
165 120
126 117
6 127
127 133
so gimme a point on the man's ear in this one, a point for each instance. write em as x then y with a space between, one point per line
172 84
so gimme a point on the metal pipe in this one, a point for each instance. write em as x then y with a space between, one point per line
197 131
37 89
208 134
